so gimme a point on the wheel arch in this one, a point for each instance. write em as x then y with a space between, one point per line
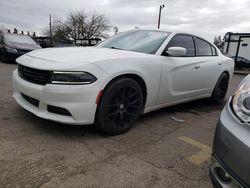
135 77
226 72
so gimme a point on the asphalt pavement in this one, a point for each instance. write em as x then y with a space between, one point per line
167 148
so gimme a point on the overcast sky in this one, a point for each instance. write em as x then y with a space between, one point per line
206 18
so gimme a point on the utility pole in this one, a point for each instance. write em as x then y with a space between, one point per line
50 29
159 19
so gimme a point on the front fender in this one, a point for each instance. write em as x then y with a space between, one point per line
148 69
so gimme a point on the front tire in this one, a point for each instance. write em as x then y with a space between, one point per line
220 90
120 106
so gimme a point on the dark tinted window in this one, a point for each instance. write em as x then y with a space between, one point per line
203 48
184 41
214 52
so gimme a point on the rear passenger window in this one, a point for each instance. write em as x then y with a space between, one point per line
203 47
184 41
214 52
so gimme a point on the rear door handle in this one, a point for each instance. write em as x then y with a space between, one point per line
219 63
197 66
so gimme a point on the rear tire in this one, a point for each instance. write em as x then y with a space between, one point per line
119 107
220 90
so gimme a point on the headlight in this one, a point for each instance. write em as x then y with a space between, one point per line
10 49
241 101
72 78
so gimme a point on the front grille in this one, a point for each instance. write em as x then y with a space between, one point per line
35 76
32 101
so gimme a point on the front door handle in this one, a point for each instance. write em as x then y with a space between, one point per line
197 66
219 63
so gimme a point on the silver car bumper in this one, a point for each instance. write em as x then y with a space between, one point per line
231 150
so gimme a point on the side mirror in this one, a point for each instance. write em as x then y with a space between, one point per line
176 51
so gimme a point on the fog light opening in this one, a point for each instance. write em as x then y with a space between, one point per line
223 175
58 110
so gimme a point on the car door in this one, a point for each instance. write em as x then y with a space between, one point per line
210 66
181 78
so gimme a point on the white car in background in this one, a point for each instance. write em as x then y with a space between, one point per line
125 76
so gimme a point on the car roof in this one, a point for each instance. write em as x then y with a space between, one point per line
14 34
173 32
166 30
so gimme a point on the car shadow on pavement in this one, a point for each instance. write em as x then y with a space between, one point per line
202 106
12 61
197 107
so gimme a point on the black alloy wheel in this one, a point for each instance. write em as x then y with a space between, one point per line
120 106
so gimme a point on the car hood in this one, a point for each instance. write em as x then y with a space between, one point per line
23 46
81 55
72 58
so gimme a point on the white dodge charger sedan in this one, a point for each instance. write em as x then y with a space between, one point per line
125 76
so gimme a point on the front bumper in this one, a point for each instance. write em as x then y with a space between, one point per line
231 148
78 100
11 56
217 180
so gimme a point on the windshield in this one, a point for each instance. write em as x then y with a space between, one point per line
137 40
18 39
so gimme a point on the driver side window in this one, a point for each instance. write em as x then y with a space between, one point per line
184 41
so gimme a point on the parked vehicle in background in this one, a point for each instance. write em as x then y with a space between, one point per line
237 46
230 165
44 42
14 45
241 63
88 42
113 83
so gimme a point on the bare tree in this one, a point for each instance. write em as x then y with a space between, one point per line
116 30
96 26
219 42
34 35
15 31
83 25
80 25
73 25
58 31
2 28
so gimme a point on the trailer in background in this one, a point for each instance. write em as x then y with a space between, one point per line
237 46
88 42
